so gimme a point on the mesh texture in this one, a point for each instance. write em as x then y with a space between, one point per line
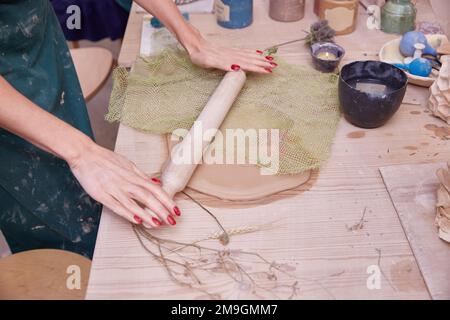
167 92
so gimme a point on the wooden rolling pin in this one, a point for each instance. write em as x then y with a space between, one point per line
176 176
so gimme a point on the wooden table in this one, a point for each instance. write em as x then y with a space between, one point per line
315 237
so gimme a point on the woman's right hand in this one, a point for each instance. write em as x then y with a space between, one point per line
118 184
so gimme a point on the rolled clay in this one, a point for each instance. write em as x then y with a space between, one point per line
176 175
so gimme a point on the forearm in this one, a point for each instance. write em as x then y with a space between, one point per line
167 12
23 118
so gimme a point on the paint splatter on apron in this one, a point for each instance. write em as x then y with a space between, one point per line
41 203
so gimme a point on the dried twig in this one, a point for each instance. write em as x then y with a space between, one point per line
224 238
359 225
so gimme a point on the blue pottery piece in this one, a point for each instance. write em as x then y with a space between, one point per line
408 41
234 14
419 67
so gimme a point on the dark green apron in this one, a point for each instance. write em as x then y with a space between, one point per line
41 203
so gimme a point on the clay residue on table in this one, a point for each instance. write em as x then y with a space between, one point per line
413 148
356 135
405 276
440 132
416 112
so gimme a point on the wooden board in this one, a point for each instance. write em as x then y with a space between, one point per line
413 191
315 235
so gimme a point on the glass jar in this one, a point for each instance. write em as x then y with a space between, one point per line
398 16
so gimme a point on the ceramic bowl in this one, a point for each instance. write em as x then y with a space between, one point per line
326 65
370 92
390 53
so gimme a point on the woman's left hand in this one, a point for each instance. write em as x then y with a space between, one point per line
208 55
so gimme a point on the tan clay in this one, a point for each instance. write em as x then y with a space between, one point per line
240 182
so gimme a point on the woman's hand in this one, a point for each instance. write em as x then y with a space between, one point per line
118 184
202 52
208 55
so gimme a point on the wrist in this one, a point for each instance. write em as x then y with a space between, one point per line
80 146
190 38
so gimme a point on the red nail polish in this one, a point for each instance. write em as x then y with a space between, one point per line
177 211
235 67
156 180
138 219
268 69
274 64
259 52
269 58
171 220
156 221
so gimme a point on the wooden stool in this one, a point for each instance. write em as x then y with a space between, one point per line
93 66
45 274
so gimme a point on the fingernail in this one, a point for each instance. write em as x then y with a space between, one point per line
274 64
269 58
171 220
177 211
235 67
156 221
156 180
259 52
268 69
138 219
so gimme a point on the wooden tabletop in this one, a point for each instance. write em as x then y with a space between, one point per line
315 235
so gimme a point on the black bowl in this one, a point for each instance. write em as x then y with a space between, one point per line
370 92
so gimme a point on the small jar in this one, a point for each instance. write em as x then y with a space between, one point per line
234 14
287 10
341 14
398 16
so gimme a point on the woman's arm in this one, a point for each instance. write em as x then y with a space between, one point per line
202 52
106 176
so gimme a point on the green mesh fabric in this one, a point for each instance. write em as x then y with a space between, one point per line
167 92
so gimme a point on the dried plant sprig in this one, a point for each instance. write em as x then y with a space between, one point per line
185 270
224 239
319 31
232 232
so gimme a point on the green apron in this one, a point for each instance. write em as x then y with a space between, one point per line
41 203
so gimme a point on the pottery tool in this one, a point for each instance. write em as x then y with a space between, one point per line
176 175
